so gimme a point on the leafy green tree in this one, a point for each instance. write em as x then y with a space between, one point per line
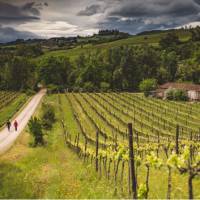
147 86
171 40
104 86
48 116
89 87
20 74
55 71
170 62
35 127
29 50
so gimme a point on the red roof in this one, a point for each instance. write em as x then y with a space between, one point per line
183 86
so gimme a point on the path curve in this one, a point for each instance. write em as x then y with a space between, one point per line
7 138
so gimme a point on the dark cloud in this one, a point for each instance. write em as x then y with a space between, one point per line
10 13
197 1
131 16
29 7
8 34
90 10
152 8
140 15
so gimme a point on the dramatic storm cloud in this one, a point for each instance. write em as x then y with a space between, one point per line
50 18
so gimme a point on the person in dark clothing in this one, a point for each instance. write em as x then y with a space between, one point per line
8 124
15 125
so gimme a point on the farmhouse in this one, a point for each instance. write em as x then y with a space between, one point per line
193 90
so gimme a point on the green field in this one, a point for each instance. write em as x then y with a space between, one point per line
65 166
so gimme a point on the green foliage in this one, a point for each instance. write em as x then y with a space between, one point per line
89 86
55 71
142 191
51 89
10 110
121 64
176 94
153 160
104 86
169 94
147 86
180 95
48 116
35 127
169 41
29 50
30 92
18 74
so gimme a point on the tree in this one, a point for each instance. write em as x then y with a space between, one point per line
35 127
20 74
48 116
169 41
29 50
104 86
55 71
170 62
147 86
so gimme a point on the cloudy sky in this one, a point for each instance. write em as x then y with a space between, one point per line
56 18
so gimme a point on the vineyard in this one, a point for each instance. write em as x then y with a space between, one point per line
147 147
10 103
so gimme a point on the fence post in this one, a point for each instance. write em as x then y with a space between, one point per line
85 148
132 162
97 150
177 139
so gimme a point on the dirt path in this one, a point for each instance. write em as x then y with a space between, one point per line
8 138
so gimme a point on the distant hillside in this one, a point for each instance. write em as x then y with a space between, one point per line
61 43
145 38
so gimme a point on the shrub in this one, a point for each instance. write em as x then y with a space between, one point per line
48 116
147 86
30 92
180 95
169 94
104 86
89 87
35 128
76 89
176 94
51 89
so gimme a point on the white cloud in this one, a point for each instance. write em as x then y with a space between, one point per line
48 29
191 24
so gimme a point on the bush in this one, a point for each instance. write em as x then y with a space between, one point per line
30 92
76 89
180 95
176 94
104 86
89 87
147 86
52 89
35 128
169 94
48 116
